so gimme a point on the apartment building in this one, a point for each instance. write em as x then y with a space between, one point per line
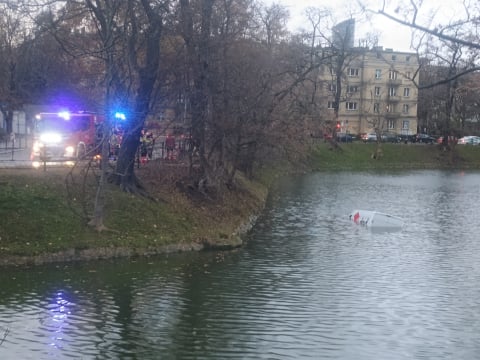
377 91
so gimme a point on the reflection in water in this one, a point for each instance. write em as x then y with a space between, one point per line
309 284
59 311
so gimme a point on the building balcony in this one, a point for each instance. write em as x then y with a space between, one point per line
394 82
393 98
392 115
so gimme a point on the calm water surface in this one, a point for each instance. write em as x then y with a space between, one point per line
308 284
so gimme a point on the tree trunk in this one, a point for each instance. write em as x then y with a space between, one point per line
125 169
147 77
99 206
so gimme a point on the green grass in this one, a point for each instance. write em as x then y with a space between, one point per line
39 214
28 213
358 156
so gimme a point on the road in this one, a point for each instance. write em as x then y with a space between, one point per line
17 155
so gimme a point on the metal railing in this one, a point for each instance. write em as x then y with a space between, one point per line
14 147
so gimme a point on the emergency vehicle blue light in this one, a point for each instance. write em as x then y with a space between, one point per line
120 115
64 115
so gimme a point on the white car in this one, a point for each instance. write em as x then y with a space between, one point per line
469 140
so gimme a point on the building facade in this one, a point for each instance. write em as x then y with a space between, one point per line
377 92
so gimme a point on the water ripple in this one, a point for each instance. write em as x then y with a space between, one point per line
308 285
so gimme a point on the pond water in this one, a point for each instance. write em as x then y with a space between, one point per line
309 284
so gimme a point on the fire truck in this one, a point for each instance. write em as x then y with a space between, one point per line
65 136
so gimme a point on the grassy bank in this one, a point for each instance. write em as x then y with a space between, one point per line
358 156
44 213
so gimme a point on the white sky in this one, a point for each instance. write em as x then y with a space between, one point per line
392 35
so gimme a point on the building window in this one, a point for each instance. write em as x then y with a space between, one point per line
407 58
353 72
408 75
376 108
331 105
392 75
394 57
392 91
378 74
332 87
351 105
405 108
406 124
391 124
377 90
406 92
352 88
390 108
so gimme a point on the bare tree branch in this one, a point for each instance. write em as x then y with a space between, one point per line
435 32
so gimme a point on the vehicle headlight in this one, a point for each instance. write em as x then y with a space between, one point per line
51 138
37 146
69 150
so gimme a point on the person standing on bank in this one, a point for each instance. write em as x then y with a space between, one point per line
170 146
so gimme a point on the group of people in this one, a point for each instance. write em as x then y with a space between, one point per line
186 145
146 146
147 142
173 149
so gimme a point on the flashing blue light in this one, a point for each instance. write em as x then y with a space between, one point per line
120 115
64 115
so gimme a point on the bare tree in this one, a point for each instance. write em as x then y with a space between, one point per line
467 104
12 33
141 25
270 24
376 116
452 46
460 33
338 61
197 46
121 39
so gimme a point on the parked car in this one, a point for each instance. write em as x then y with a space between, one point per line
371 137
425 139
390 137
344 137
407 138
469 140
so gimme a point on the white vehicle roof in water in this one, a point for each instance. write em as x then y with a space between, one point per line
375 219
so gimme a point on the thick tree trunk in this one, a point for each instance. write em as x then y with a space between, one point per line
147 77
125 169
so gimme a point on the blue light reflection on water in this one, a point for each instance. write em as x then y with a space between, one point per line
57 321
309 284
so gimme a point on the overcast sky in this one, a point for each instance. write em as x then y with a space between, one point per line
392 35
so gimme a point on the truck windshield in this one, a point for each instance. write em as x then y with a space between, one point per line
53 122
